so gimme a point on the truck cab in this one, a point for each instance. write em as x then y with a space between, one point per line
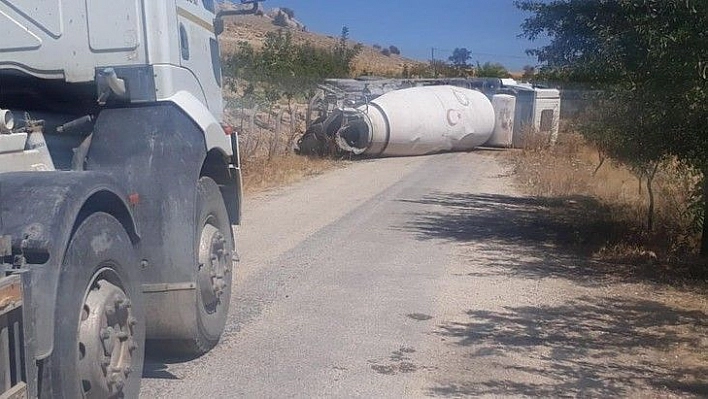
119 188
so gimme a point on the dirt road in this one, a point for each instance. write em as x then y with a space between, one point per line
433 276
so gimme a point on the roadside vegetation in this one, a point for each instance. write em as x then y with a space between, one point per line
647 62
606 204
457 65
267 91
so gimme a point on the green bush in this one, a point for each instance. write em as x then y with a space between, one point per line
283 68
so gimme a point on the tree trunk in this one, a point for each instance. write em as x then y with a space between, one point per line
650 191
704 236
602 162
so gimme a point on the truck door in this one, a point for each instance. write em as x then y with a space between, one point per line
199 49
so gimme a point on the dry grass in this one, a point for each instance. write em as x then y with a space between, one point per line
609 208
266 147
263 173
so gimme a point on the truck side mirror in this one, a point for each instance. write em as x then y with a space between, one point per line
218 26
219 19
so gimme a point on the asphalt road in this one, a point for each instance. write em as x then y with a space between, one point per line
425 276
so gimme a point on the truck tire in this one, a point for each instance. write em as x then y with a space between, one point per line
99 327
214 269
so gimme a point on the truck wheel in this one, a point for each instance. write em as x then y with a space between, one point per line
99 328
215 250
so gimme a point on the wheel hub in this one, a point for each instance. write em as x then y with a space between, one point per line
214 265
106 341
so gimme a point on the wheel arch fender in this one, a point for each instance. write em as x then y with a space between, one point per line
107 201
221 163
41 211
214 134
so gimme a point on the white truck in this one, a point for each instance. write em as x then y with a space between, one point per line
119 187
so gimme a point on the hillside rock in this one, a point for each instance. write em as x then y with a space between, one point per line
253 29
291 23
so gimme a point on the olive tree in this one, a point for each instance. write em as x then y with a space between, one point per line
649 58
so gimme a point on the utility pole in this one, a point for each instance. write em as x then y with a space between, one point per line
432 62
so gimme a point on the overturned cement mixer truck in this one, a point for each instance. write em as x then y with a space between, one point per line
380 118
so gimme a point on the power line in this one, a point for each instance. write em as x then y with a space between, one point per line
474 53
503 55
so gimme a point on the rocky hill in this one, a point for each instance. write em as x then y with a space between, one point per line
253 29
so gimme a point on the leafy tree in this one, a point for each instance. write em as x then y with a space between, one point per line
529 73
649 58
345 54
386 52
460 58
491 70
394 50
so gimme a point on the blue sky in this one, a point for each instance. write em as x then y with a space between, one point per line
488 28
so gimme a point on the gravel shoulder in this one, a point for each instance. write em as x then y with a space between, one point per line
434 276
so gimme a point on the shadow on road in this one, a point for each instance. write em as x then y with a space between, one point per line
554 236
587 348
158 360
594 346
155 369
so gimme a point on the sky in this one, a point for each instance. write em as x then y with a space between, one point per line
488 28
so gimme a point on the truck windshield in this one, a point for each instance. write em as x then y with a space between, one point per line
209 5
